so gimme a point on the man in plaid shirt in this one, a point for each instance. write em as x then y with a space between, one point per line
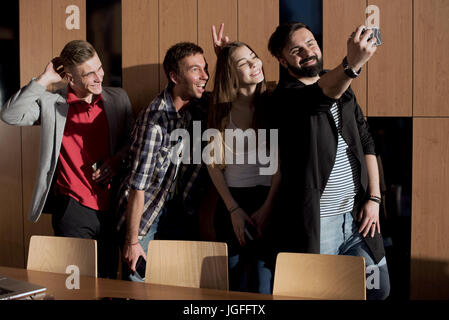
156 174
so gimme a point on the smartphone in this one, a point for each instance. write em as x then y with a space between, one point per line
376 33
250 232
141 266
97 165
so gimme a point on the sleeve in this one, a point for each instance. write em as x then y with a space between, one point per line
129 113
362 125
23 108
145 147
125 117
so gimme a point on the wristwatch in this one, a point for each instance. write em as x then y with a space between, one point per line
348 71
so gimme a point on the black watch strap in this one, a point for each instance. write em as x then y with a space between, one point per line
348 71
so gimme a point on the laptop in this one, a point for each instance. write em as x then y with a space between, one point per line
14 289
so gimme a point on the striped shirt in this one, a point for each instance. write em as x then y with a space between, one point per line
343 184
151 169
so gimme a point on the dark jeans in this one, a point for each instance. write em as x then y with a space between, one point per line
72 219
250 267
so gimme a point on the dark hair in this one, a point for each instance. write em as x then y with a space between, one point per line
76 52
175 54
281 35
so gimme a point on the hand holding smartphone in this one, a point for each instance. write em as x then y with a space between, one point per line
141 267
97 165
376 33
250 232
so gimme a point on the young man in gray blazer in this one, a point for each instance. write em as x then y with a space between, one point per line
85 130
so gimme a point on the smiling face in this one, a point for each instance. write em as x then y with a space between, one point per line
192 77
302 55
86 78
248 66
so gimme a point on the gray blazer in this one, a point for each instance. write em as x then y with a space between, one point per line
33 105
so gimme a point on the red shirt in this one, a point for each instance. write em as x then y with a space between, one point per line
85 141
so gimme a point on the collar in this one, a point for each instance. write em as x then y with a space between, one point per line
288 81
72 98
170 106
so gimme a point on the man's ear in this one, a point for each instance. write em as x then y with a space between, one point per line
173 77
69 77
283 61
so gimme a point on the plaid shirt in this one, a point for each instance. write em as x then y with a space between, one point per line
150 167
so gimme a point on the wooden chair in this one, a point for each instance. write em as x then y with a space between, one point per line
197 264
319 276
54 254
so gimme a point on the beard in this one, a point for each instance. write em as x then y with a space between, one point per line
307 71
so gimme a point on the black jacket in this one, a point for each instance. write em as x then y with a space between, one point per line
308 145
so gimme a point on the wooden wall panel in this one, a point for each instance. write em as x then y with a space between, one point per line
390 69
62 35
35 27
214 12
36 46
37 49
177 22
140 51
257 20
11 230
430 218
340 19
431 59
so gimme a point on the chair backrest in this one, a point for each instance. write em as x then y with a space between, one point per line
197 264
55 254
320 276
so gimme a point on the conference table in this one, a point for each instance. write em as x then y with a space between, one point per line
91 288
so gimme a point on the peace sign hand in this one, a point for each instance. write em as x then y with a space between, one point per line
219 41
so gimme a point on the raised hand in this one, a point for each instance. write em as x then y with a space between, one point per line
360 49
50 75
218 40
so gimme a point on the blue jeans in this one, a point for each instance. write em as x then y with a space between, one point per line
340 236
144 243
238 275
